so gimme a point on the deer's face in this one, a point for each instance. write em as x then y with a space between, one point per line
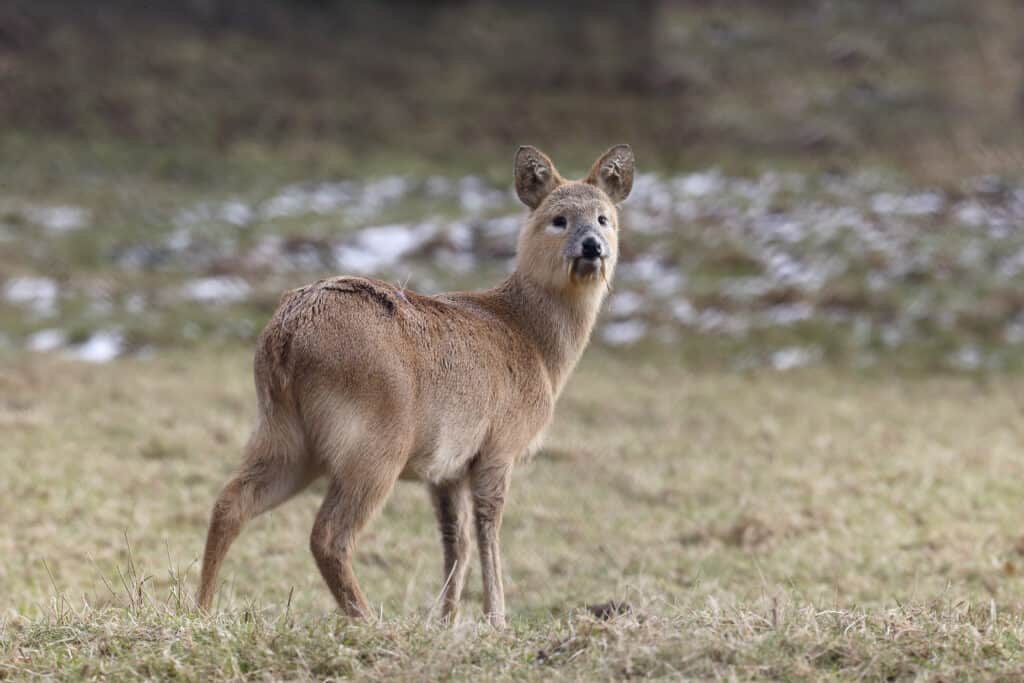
571 238
574 233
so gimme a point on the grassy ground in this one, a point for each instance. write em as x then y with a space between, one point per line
746 524
805 525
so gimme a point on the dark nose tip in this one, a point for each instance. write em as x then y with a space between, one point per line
592 248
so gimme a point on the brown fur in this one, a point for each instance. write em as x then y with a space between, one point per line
366 383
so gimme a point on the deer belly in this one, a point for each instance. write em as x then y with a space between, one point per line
446 456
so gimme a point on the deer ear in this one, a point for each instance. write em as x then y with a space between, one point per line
535 176
613 172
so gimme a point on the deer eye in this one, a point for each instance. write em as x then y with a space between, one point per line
559 222
602 220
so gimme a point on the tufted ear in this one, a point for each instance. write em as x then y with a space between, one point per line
535 176
613 172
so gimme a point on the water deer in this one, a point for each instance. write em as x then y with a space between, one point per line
366 383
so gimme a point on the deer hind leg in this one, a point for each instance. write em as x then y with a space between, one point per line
359 486
489 486
274 469
453 508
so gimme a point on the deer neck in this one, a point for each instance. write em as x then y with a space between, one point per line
557 322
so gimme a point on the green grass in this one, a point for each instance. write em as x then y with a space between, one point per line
806 525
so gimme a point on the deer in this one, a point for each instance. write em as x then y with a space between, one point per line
366 383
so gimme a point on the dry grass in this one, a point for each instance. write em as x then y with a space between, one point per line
797 526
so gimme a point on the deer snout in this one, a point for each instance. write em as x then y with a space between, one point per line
591 248
587 253
587 244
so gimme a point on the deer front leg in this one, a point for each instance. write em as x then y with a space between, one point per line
489 485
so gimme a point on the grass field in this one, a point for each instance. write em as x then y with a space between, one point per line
803 525
792 451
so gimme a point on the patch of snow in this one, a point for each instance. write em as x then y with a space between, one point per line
216 290
920 204
1012 264
355 260
291 201
460 236
700 184
392 241
179 240
718 321
988 185
624 304
476 196
46 340
650 199
330 197
971 213
36 293
624 332
101 347
788 314
456 261
684 312
135 304
236 213
59 219
378 194
794 357
378 247
892 335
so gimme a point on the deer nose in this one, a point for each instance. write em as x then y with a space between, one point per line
592 248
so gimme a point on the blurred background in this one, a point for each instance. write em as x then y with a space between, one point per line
823 182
